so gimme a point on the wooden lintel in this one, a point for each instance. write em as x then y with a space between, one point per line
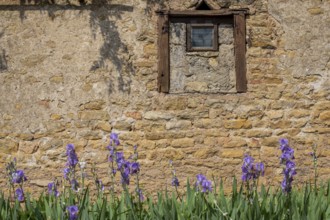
205 13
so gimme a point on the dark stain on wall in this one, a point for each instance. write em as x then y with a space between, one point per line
3 61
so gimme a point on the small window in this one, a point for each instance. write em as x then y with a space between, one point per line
202 37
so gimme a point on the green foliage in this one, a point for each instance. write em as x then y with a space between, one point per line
304 204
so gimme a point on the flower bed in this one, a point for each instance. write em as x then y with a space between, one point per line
202 199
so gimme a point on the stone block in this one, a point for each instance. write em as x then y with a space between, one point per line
237 153
205 152
149 126
196 87
166 154
283 124
40 182
56 117
171 154
258 133
203 123
28 147
145 63
232 142
123 125
90 135
25 136
94 105
183 143
8 146
325 115
146 145
157 115
57 79
315 11
93 115
104 126
50 143
7 117
177 103
270 141
269 151
299 113
182 124
274 114
135 115
192 115
237 124
210 141
55 126
150 49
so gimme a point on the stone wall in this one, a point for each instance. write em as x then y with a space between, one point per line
202 71
74 73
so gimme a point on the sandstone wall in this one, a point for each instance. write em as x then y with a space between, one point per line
74 73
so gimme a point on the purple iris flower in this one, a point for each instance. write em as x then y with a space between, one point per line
18 176
52 189
19 194
125 178
175 181
284 143
135 167
290 167
114 139
203 184
72 156
251 170
111 153
73 212
140 193
69 148
99 184
200 178
120 159
66 172
206 186
260 169
74 184
288 154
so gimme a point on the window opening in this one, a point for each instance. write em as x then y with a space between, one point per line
202 37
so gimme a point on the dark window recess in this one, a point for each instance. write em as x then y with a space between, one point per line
202 37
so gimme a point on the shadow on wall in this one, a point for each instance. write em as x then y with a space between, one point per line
3 61
103 15
152 3
112 46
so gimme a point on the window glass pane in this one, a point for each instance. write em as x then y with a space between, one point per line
202 36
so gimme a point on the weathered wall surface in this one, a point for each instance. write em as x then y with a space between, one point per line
74 73
202 71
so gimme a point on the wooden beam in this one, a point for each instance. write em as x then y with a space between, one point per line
163 81
203 13
240 51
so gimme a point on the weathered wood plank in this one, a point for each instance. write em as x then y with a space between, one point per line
204 13
163 54
240 51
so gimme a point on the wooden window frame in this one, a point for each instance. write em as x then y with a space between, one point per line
215 44
238 17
